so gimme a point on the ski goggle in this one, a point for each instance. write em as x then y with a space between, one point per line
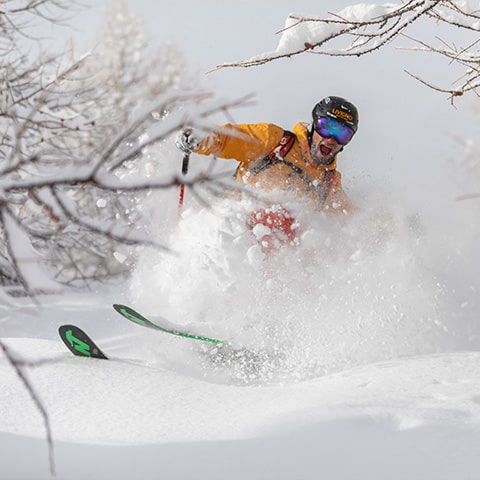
327 127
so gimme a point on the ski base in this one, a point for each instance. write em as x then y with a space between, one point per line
79 343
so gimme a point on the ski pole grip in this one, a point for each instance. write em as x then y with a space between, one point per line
186 159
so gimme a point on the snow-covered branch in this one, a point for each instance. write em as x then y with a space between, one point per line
363 28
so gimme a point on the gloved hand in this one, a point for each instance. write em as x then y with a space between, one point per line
186 141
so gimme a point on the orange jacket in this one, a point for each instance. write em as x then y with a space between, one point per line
250 143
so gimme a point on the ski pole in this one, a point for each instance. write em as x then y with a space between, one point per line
186 159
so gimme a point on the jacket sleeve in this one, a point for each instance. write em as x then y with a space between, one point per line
243 142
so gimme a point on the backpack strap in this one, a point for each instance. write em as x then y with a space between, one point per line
277 155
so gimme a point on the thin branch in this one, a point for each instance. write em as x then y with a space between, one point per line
453 93
8 242
16 365
125 238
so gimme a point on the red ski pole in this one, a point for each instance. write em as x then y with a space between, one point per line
186 159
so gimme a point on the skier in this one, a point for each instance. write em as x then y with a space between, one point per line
301 162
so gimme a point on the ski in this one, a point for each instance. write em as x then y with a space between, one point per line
135 317
223 352
79 343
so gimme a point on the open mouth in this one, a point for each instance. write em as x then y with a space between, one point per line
325 151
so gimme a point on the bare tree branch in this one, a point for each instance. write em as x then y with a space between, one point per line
71 129
453 93
16 365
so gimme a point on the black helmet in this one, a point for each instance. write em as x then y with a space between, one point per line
337 108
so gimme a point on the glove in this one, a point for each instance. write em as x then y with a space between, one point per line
186 141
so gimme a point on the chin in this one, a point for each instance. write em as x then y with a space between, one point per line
324 160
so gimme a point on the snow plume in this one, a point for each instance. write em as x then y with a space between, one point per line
372 287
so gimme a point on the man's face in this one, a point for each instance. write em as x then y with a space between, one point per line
323 150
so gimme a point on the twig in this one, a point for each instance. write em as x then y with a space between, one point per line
36 400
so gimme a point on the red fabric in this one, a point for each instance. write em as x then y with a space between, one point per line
272 227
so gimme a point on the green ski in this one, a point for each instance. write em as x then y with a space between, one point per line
135 317
222 354
79 343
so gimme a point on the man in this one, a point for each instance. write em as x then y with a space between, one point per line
302 162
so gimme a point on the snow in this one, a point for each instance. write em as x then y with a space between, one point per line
374 376
296 34
372 323
156 419
444 391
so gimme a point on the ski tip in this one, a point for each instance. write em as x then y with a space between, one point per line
125 310
62 329
79 343
118 307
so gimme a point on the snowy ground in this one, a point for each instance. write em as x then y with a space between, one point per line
408 418
413 418
377 377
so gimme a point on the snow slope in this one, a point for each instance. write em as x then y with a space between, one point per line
416 417
375 373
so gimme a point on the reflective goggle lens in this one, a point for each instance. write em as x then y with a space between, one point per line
327 127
